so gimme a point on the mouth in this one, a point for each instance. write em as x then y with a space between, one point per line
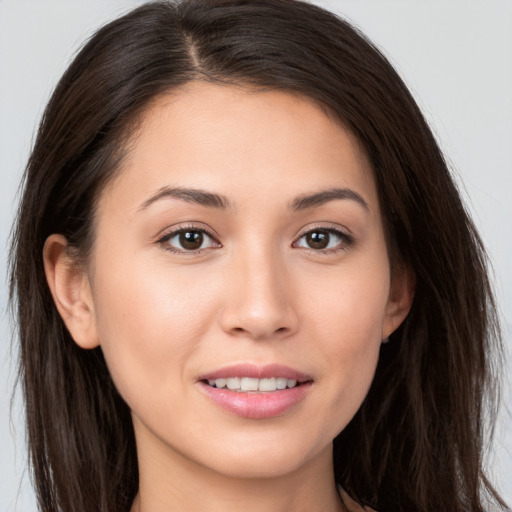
256 392
253 384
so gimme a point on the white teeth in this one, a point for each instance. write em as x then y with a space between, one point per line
233 383
267 384
245 384
219 383
281 383
248 384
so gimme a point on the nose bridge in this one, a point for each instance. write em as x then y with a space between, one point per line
260 299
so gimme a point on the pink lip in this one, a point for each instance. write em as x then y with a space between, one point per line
258 372
256 404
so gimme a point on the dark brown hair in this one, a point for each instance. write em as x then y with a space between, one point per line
418 440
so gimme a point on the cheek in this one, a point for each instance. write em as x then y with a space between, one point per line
348 314
149 322
349 303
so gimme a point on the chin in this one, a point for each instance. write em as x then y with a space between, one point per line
259 468
267 460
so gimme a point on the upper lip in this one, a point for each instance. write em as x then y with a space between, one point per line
256 371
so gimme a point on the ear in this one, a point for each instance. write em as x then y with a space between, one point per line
70 287
400 299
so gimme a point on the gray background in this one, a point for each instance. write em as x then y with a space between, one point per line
455 55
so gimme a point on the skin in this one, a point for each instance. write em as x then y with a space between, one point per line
256 292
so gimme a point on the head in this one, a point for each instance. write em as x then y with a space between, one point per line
276 63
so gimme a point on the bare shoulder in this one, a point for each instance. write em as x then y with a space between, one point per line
351 505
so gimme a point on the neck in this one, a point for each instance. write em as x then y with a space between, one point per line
171 482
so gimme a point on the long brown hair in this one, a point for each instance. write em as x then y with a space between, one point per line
418 440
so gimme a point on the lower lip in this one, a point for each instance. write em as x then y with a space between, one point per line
254 404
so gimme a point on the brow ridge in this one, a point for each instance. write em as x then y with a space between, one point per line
190 195
213 200
304 202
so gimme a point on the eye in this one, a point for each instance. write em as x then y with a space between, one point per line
188 240
322 239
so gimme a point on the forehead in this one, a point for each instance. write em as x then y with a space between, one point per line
239 141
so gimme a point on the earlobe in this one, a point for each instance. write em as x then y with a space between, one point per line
71 291
400 300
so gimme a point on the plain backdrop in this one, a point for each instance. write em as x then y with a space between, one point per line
455 55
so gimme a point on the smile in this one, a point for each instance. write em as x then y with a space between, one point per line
256 392
247 384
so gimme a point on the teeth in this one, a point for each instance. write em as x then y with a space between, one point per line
245 384
267 384
233 383
281 383
248 384
220 383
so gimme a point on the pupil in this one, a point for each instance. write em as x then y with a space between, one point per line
191 239
318 239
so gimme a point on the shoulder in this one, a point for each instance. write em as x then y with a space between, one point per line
351 505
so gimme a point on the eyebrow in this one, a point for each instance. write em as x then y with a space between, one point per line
212 200
318 199
190 195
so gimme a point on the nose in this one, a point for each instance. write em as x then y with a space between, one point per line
260 299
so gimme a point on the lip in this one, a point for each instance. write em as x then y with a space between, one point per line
254 371
256 404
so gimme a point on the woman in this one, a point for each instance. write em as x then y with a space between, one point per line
259 288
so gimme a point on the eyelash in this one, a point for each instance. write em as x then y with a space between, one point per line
346 240
163 241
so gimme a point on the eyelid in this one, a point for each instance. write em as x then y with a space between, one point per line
172 231
183 226
348 239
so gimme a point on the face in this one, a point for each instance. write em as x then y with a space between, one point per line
240 251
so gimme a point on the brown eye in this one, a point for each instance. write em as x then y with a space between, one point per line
317 239
191 240
327 240
188 240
